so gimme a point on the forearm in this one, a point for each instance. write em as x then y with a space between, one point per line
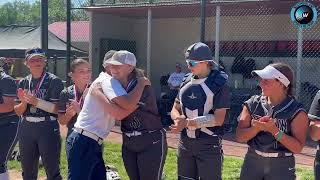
245 134
131 100
315 132
7 105
291 143
20 108
63 118
4 108
110 108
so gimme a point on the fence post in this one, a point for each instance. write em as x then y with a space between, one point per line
217 39
203 20
149 43
44 25
299 59
68 29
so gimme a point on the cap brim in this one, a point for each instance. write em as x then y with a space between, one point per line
36 55
113 62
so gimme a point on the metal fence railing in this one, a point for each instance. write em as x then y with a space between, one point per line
251 34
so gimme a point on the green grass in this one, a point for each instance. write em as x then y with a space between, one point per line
112 156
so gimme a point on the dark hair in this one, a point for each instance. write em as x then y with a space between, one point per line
75 63
287 71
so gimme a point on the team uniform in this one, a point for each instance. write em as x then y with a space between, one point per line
144 146
314 115
39 133
199 152
84 144
269 158
8 122
175 80
66 95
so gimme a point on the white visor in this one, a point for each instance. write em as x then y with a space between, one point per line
269 72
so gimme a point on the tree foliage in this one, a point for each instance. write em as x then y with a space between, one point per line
21 12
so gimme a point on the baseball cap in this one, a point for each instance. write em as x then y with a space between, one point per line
33 52
123 57
198 52
270 72
178 65
107 57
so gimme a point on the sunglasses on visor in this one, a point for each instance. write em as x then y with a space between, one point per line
35 51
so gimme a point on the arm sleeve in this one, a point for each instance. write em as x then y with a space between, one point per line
63 100
112 88
222 98
314 112
56 86
8 87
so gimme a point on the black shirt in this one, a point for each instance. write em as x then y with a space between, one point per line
65 96
8 88
146 117
314 111
49 91
283 113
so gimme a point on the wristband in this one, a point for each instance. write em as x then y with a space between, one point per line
46 106
278 135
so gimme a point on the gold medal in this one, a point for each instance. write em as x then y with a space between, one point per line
33 109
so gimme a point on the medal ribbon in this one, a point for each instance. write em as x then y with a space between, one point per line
76 95
36 89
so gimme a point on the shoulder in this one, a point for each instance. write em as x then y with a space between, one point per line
255 99
6 77
186 78
53 76
216 80
24 80
296 106
54 79
67 90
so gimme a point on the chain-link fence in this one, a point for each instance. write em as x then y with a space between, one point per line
249 35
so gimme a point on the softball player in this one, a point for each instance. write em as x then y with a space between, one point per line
199 112
314 116
8 121
144 139
72 98
39 133
94 123
274 125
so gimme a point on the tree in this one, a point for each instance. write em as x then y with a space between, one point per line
22 12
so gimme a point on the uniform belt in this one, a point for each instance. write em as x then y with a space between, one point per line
267 154
88 134
137 133
191 132
40 119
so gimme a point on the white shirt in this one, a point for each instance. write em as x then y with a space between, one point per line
92 117
175 79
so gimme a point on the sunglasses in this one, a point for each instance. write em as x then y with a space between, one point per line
193 63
